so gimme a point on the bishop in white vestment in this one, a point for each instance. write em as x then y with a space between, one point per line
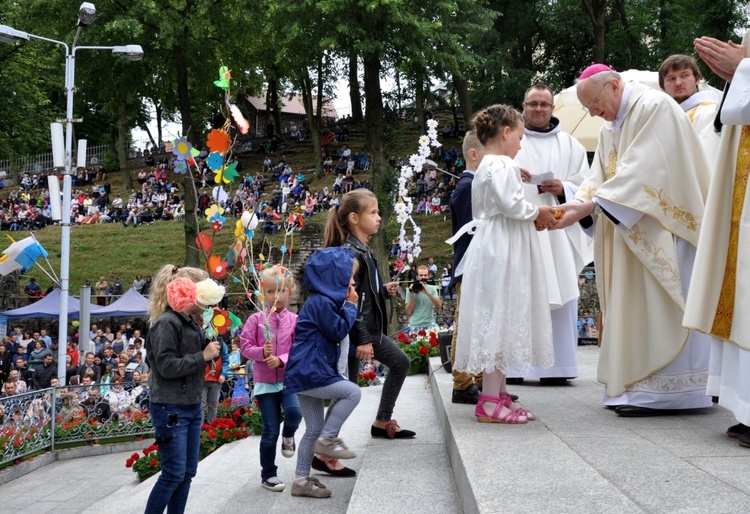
646 194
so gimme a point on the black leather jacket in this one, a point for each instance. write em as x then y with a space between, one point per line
372 319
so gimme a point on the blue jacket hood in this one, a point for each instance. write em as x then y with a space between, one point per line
328 271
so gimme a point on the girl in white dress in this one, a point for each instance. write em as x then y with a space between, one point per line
504 317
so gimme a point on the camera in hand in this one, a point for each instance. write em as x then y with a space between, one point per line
417 286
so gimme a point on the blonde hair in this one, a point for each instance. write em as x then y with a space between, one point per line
337 226
489 122
285 277
157 303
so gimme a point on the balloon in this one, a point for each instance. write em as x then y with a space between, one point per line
204 242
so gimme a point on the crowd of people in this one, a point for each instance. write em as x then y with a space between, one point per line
109 380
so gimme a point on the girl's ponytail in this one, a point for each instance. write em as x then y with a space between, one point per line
335 233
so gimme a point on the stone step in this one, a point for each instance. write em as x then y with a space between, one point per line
398 476
580 457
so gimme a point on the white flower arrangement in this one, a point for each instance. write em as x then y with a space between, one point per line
403 205
209 292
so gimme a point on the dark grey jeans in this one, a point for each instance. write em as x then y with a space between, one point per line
398 363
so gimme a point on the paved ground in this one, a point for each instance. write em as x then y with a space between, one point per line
578 457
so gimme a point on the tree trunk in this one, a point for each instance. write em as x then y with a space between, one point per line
192 256
158 110
273 97
375 136
148 132
419 101
354 95
633 41
313 120
319 120
462 88
122 143
596 10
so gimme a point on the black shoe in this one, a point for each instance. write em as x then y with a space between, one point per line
513 397
382 432
514 380
554 381
319 465
737 430
744 440
469 395
630 411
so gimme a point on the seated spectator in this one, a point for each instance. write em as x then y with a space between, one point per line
44 374
89 366
36 358
117 397
15 377
96 407
33 290
436 209
310 203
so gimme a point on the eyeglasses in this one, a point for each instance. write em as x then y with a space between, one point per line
591 105
538 105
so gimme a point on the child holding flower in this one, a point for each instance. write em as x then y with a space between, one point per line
266 339
177 358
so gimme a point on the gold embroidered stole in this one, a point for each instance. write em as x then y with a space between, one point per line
694 110
722 325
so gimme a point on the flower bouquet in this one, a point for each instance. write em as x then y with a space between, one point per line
419 346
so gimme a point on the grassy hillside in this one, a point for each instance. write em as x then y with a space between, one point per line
113 250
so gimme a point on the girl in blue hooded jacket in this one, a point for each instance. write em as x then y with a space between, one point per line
326 318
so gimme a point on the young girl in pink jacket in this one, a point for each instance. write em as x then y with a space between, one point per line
267 338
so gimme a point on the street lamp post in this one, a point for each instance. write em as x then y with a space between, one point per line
86 15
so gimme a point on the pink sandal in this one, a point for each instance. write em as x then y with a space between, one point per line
508 402
511 418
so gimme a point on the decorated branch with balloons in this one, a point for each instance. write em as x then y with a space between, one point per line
240 262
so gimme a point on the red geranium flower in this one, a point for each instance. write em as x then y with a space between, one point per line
128 463
422 332
153 463
402 338
424 350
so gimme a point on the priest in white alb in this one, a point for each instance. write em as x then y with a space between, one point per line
645 193
546 148
721 278
680 78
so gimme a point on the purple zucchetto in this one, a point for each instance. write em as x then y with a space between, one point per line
593 70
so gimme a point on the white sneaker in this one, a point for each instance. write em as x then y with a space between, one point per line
333 447
273 484
288 447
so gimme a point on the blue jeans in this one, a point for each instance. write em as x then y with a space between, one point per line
270 409
178 434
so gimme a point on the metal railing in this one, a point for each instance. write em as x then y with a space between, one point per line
42 163
61 417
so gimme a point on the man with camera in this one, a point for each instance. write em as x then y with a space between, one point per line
421 301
